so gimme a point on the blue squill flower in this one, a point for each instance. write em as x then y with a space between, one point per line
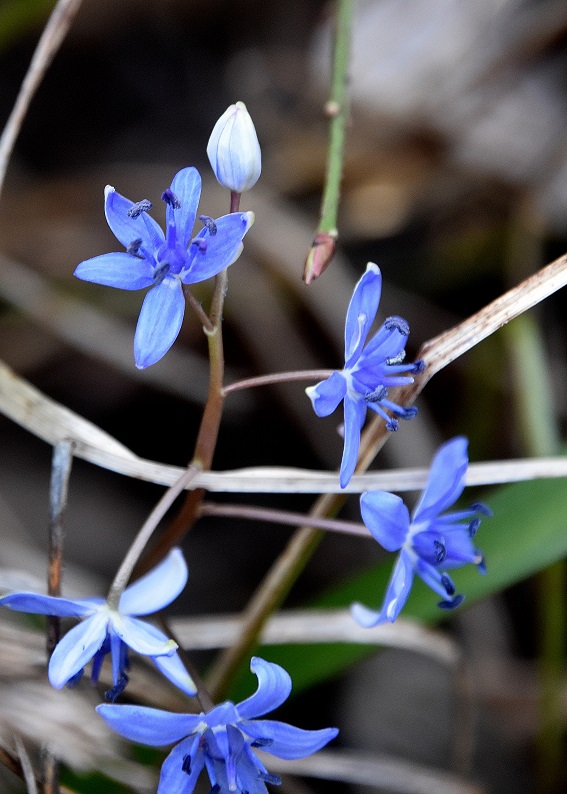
105 630
368 372
164 262
430 544
223 739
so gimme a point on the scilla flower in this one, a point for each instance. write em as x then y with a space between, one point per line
430 544
369 371
164 262
234 151
223 739
104 630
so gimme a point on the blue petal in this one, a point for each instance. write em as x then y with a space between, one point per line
173 668
159 323
396 596
120 270
286 741
173 779
446 479
432 577
50 605
387 343
361 312
221 249
148 726
156 589
117 657
387 517
186 186
76 648
140 637
355 414
327 394
274 686
126 229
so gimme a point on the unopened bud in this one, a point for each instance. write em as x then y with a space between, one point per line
319 256
234 151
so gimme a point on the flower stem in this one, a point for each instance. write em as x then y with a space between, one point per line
278 377
282 517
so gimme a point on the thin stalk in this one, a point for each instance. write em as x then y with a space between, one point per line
285 517
202 694
277 377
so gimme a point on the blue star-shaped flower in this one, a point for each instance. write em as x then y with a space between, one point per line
429 543
368 372
105 630
222 740
164 262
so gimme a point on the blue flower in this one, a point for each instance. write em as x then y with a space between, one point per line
164 262
105 630
429 543
234 151
222 740
369 371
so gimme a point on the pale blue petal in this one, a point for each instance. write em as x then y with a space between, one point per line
148 726
286 741
387 518
446 479
120 270
159 323
140 636
173 668
50 605
327 394
126 229
396 596
432 578
173 780
365 617
274 686
156 589
361 312
76 648
222 248
186 186
388 342
355 414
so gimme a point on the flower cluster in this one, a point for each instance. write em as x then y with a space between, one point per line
368 372
430 543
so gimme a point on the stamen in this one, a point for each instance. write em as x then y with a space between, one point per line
480 562
418 366
473 527
440 551
140 206
396 359
483 509
186 765
161 272
201 243
215 789
397 324
409 413
447 583
117 689
209 224
72 682
171 199
275 780
375 396
134 247
456 602
392 425
261 742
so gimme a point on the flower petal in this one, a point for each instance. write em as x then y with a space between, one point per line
148 726
221 249
286 741
126 229
361 312
186 186
355 414
432 578
327 394
76 648
50 605
159 323
387 518
173 668
142 638
396 595
446 479
274 686
120 270
156 589
173 778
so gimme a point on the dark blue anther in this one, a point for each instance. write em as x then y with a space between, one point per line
140 206
392 425
396 359
261 742
275 780
209 224
397 324
418 366
161 272
117 689
483 509
440 551
456 602
409 413
170 198
447 583
201 243
134 247
379 393
473 527
186 765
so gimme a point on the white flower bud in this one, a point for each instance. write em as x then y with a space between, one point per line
234 151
